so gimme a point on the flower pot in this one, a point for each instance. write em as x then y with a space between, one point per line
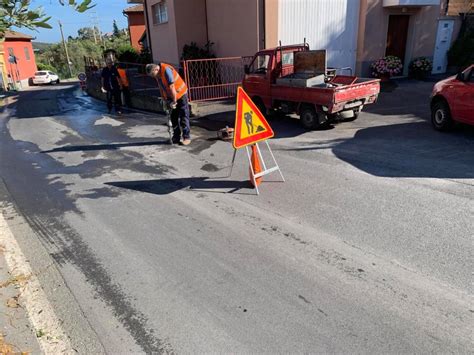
384 77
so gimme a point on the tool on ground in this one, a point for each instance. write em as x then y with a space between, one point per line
226 134
167 108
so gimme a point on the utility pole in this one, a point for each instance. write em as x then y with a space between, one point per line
96 26
65 49
95 37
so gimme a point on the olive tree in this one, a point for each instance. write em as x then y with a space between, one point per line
19 13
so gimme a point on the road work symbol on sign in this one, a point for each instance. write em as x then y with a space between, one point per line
250 124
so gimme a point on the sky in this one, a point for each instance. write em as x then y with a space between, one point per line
105 11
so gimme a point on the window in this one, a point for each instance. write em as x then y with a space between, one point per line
259 65
287 58
160 13
27 53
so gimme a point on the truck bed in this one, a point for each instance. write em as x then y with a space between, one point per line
332 95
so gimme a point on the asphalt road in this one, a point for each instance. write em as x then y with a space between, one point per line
366 248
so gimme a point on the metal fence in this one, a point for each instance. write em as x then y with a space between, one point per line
207 79
212 79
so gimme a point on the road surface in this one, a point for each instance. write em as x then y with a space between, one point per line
145 247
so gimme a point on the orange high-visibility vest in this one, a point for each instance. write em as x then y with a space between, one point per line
179 83
123 76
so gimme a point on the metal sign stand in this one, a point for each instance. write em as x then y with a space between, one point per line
265 171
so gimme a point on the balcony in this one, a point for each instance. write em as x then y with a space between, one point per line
392 3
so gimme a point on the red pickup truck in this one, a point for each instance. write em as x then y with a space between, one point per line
452 100
293 79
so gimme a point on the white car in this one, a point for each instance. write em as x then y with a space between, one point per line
45 77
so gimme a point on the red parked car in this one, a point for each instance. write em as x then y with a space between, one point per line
452 100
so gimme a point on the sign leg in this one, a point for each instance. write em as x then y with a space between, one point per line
274 160
261 157
233 161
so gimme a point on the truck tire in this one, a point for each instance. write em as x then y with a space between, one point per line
441 116
312 119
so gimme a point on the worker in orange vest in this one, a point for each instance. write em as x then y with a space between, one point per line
174 90
125 85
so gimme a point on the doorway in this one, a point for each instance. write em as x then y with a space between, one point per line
397 36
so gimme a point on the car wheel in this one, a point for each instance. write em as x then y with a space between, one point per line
311 119
441 116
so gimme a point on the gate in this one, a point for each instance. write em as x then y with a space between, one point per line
213 79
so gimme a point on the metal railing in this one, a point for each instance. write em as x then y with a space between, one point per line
215 78
207 79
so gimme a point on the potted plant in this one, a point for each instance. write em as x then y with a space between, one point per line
386 67
420 67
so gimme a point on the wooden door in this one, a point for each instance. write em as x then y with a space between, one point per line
397 36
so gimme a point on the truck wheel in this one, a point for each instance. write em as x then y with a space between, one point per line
441 116
311 119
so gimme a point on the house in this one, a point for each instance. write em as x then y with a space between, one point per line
354 32
136 25
18 58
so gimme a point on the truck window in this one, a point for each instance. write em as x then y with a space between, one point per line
287 58
260 64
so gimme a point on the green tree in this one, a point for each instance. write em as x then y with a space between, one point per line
84 46
43 66
20 14
86 33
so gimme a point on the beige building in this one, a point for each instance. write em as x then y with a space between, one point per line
354 32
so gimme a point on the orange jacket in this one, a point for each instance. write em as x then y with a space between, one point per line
179 83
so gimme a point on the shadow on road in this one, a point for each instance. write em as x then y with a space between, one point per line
108 146
167 186
406 150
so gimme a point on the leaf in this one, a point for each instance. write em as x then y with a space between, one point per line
42 24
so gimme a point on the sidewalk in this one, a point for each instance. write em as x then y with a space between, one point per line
16 332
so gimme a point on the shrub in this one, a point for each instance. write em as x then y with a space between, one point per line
43 66
193 51
127 53
461 53
386 66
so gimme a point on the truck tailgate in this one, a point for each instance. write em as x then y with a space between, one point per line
358 90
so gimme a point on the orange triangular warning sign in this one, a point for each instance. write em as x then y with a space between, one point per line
250 125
